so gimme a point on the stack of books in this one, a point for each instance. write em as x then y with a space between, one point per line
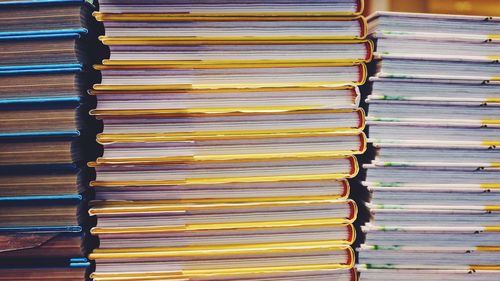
433 116
229 129
42 82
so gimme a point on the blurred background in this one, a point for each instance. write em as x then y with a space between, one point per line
463 7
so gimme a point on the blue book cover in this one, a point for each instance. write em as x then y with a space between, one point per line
5 35
79 262
14 3
40 69
11 103
41 229
41 200
42 34
33 135
75 198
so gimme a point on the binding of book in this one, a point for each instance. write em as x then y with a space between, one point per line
43 125
434 122
229 133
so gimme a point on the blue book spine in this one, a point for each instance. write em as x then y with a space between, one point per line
37 199
15 3
41 229
40 69
79 262
71 100
55 35
47 32
33 135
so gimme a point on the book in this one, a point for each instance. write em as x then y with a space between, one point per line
229 133
39 269
232 234
467 92
224 48
268 189
231 8
463 273
432 25
241 26
40 245
240 260
299 272
35 17
43 138
432 184
228 74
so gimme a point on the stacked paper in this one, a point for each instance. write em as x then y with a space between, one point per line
229 133
42 159
433 117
